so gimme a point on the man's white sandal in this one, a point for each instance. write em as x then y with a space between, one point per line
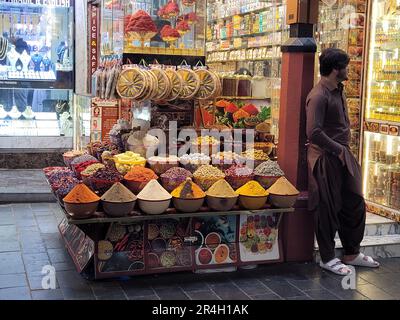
364 261
336 266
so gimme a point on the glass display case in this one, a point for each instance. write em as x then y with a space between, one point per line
381 151
36 70
247 35
164 27
112 27
341 25
35 112
38 45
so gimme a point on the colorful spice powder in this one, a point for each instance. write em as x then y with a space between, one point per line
221 189
188 190
83 158
118 193
252 189
81 194
55 176
140 174
238 171
283 187
66 188
107 174
153 191
92 169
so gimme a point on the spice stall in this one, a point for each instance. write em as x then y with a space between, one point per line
128 214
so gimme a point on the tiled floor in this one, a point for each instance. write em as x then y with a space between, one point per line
29 240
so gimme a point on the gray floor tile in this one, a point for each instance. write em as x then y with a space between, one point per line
267 296
283 289
311 284
58 255
229 292
153 297
5 208
194 285
21 293
133 292
11 263
6 218
202 295
321 295
47 295
41 206
303 298
171 294
13 280
374 293
254 288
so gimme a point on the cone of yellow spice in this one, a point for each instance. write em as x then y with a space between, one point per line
252 196
188 196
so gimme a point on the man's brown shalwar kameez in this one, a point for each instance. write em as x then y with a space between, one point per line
335 188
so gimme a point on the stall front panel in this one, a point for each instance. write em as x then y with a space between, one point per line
381 150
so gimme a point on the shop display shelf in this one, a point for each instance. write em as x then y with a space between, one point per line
259 10
100 217
394 123
164 51
244 98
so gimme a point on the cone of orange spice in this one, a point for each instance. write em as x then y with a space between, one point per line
81 194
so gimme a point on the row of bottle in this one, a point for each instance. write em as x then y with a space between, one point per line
268 21
226 8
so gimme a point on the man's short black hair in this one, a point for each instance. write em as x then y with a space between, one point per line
332 58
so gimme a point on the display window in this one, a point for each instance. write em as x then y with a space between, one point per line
381 151
37 41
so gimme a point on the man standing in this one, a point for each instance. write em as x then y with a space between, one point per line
335 192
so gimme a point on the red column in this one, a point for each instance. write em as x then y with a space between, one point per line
297 81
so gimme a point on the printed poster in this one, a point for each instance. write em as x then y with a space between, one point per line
258 237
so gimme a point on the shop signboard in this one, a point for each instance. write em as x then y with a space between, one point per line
104 114
93 27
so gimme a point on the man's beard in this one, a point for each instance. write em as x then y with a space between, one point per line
342 76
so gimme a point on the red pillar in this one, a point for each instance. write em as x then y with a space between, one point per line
297 81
